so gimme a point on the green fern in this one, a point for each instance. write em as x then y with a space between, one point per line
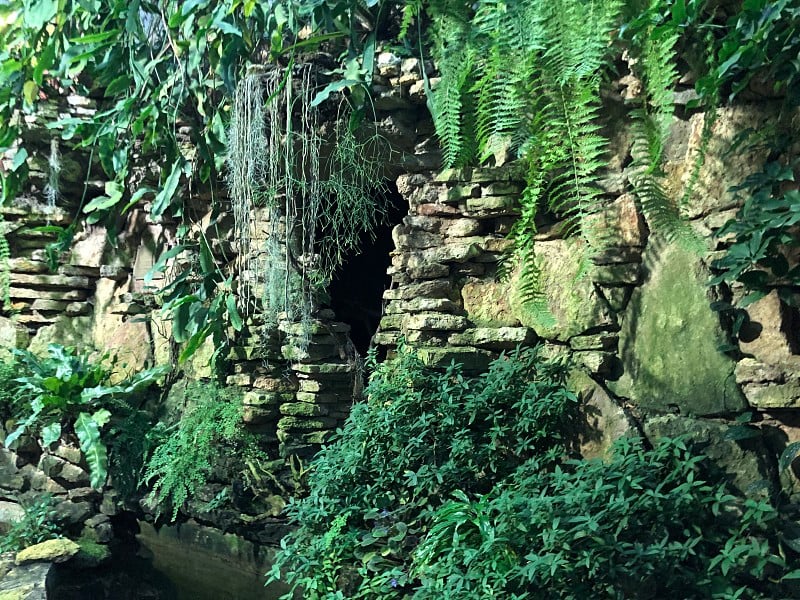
528 75
651 128
184 455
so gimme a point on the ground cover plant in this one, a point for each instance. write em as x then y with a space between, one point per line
443 486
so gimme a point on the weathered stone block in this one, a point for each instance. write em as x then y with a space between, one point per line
435 321
58 550
495 338
487 303
51 281
471 359
670 341
603 420
303 409
305 424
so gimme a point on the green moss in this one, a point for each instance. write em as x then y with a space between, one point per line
670 338
93 550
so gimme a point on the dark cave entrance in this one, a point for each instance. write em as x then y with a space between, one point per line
356 291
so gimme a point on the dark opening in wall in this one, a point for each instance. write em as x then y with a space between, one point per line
356 292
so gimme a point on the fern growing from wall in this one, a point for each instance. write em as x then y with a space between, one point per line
521 79
656 63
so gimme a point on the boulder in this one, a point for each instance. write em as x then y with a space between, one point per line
670 339
745 463
58 550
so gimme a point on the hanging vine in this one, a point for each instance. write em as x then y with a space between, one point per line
317 194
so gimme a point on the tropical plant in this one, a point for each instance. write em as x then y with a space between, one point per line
39 524
763 236
421 435
71 394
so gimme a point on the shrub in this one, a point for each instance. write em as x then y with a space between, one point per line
440 486
645 524
419 437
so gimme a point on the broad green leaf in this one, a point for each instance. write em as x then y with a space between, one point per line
51 434
101 417
113 196
791 452
19 159
39 12
233 313
334 86
93 449
161 263
14 435
741 432
164 197
44 62
207 264
194 343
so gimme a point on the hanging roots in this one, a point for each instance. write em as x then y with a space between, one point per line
52 189
274 163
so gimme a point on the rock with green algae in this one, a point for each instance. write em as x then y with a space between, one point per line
57 550
572 301
670 338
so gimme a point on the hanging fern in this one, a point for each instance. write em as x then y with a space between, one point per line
532 72
651 129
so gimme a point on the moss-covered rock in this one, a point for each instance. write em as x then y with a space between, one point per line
670 339
745 463
573 303
57 550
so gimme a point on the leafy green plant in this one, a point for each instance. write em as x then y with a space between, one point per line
183 454
39 524
421 435
759 41
763 236
644 524
13 398
440 486
70 394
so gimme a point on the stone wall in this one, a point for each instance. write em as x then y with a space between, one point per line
639 325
